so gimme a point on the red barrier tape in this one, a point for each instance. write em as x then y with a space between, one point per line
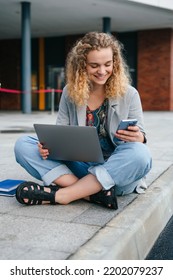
10 90
35 91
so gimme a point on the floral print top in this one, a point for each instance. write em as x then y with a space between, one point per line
98 119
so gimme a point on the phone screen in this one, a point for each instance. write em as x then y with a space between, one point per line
124 124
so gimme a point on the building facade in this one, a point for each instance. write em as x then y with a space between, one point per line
149 54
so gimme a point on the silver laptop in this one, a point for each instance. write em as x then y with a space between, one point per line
72 143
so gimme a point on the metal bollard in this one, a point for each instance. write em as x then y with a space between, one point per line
52 101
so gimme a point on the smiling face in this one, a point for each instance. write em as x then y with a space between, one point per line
99 65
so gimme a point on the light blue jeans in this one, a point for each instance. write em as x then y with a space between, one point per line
126 166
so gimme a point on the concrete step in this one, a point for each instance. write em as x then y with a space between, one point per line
132 233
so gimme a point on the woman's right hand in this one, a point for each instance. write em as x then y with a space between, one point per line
43 152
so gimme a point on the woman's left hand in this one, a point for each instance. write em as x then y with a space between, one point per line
133 134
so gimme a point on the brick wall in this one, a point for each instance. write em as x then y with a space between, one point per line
155 63
171 66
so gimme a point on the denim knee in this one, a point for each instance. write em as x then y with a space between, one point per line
142 156
19 147
22 146
130 162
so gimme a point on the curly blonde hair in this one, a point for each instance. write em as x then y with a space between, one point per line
78 83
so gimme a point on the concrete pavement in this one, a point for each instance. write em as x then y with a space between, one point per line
83 230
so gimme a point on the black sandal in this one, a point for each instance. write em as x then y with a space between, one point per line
105 198
35 193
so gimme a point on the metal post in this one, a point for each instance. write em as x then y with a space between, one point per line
106 25
52 101
26 58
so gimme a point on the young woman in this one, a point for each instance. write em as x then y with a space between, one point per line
98 93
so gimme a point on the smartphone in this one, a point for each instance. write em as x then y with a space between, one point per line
123 125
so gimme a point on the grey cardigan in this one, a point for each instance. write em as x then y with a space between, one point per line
127 107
